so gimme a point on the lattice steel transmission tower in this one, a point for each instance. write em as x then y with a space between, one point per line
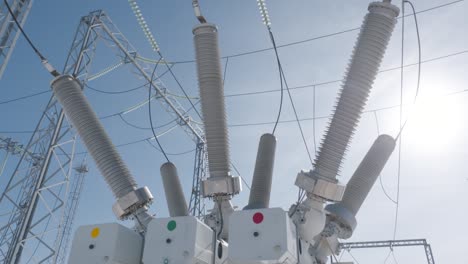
36 225
9 32
11 148
62 242
33 202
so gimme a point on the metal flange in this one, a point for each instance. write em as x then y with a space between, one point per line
131 202
323 188
221 186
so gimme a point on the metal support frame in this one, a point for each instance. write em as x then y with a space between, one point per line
391 244
197 205
62 242
37 191
9 32
123 49
128 54
33 217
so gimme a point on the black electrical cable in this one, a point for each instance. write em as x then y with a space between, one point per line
280 108
283 78
180 86
150 113
296 116
44 61
380 175
419 62
221 220
24 97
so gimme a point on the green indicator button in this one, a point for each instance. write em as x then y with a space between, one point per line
171 225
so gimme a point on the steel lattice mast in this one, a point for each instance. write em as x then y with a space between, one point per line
26 189
9 32
35 195
62 242
12 148
196 204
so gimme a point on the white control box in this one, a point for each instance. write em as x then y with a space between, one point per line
106 243
181 240
263 236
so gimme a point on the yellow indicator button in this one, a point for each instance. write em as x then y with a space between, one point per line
95 232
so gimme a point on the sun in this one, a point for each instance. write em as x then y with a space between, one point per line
434 122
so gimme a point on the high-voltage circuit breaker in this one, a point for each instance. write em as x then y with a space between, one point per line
307 233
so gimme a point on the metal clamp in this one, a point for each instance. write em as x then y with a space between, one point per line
221 186
324 188
131 202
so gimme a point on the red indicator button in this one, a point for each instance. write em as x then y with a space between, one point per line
257 218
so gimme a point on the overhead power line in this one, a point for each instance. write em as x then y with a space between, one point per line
321 36
240 125
454 54
24 97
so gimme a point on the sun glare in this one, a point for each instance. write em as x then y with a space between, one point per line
434 123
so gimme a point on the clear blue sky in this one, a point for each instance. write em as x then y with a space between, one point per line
434 180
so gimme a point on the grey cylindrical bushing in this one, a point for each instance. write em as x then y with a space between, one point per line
212 98
68 92
263 173
367 173
173 189
363 68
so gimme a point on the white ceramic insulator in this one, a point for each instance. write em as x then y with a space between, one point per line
173 189
367 173
68 92
263 174
212 98
365 62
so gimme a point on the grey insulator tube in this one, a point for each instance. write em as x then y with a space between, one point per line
367 173
263 173
173 189
212 98
365 62
68 92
